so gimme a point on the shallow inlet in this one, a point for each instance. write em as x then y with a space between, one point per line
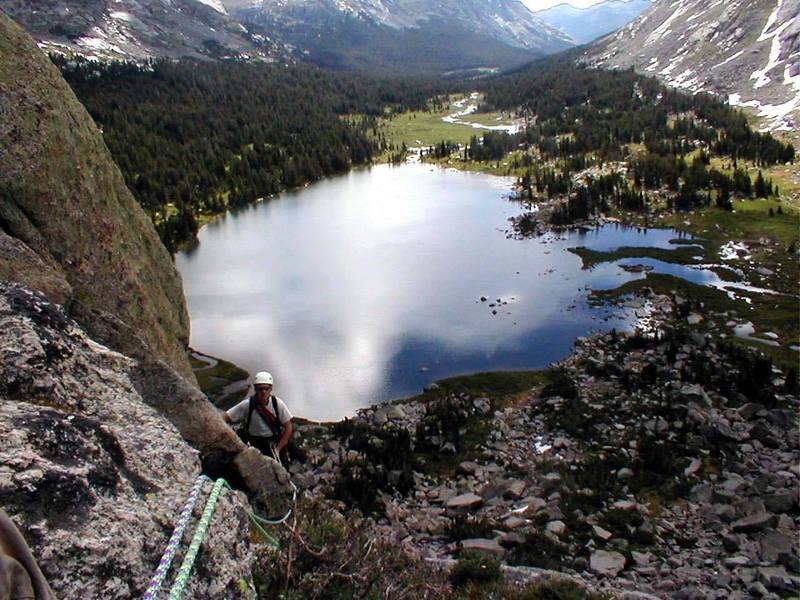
368 286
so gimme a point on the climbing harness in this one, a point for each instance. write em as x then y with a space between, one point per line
185 570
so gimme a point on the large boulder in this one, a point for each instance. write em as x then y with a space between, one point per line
64 199
483 546
20 263
464 503
607 564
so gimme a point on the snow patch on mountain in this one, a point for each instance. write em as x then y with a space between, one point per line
747 51
216 5
729 59
139 29
663 29
760 75
122 16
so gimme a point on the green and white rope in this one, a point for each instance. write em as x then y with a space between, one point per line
265 521
271 541
185 570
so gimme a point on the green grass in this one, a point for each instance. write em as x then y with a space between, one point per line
552 588
786 177
214 380
424 129
682 255
494 384
421 128
503 167
490 119
750 223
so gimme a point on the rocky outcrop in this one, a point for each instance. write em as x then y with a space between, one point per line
19 263
80 235
94 477
70 229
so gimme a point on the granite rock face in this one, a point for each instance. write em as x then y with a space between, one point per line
64 200
91 474
70 229
19 263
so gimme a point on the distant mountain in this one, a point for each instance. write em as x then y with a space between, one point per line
586 24
139 29
407 35
745 50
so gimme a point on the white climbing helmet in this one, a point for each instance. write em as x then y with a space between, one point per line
263 378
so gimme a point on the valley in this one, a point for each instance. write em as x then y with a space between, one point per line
653 449
537 322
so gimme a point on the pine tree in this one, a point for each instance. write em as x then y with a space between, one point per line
760 187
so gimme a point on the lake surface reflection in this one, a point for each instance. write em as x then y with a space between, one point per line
368 286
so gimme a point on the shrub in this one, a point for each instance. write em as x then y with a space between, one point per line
386 465
574 417
559 589
561 384
360 484
537 551
444 419
326 554
464 528
475 569
619 522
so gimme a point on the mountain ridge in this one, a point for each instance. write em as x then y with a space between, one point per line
500 33
351 34
584 24
581 8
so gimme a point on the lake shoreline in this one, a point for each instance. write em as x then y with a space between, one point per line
708 247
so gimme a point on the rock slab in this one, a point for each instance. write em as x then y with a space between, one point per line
606 564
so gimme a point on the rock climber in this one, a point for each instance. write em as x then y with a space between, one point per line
267 421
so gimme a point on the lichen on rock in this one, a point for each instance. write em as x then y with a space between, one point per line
92 475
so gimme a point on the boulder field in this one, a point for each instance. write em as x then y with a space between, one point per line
650 464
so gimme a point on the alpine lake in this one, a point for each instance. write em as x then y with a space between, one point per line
369 286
